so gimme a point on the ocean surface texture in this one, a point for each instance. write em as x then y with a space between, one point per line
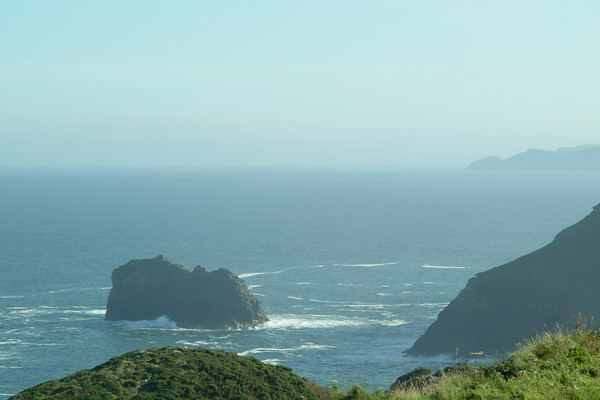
351 267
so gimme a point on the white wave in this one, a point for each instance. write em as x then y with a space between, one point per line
24 343
394 322
429 283
11 297
433 304
375 306
303 283
272 361
197 343
383 294
95 312
442 267
11 341
369 265
291 321
251 274
318 266
162 322
60 291
306 346
295 298
86 312
253 286
350 284
34 311
385 286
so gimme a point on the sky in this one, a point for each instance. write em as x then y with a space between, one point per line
294 83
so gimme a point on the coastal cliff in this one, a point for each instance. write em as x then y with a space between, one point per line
149 289
531 294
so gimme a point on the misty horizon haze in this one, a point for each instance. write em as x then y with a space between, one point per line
311 84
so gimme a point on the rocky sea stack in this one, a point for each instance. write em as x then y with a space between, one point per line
149 289
530 295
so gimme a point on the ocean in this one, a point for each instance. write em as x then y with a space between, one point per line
351 266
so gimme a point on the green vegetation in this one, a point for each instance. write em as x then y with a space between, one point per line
179 373
551 366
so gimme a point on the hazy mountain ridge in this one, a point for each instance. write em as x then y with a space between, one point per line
585 157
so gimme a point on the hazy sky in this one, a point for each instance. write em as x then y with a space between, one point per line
325 82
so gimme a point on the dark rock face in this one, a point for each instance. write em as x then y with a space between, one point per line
148 289
529 295
575 158
420 377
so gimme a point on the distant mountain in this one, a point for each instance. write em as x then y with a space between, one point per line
586 157
532 294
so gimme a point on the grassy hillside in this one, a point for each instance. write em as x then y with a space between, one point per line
179 373
552 366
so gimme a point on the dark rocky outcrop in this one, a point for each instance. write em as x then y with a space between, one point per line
149 289
514 301
573 158
421 377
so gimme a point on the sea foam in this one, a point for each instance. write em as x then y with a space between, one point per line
251 274
162 322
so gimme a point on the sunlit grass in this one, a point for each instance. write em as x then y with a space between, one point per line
551 366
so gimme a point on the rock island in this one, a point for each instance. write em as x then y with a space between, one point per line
151 288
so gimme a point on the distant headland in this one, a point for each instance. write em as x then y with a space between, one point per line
582 158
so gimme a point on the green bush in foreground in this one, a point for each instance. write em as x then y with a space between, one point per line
552 366
179 373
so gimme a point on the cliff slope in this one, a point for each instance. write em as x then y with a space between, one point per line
148 289
531 294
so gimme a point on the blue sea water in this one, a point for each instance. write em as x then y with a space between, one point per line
351 266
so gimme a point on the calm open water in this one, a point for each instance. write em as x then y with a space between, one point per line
351 267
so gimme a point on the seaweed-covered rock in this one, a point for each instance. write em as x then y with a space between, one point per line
178 373
149 289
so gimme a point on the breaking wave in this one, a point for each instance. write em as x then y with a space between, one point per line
369 265
251 274
441 267
292 321
306 346
162 322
